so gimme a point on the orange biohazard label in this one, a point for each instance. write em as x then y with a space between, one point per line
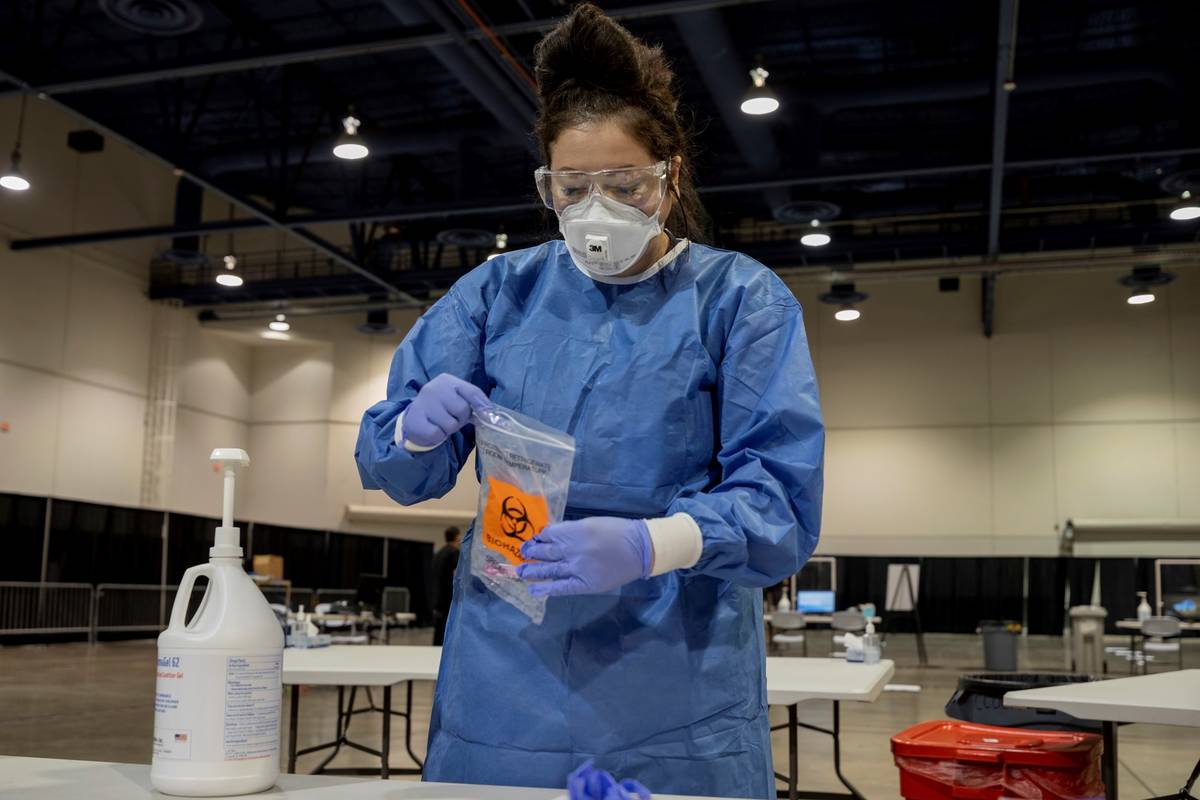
512 518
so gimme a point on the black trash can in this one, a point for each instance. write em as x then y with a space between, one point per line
980 698
1000 644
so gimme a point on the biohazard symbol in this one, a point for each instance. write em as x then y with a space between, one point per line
511 518
514 519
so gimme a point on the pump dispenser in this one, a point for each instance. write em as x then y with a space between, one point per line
1143 610
219 680
870 644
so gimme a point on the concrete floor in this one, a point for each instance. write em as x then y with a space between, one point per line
95 703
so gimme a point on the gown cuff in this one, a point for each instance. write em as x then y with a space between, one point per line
409 446
677 543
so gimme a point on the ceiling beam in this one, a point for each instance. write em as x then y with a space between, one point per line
724 72
133 234
312 240
479 77
517 204
392 45
1006 46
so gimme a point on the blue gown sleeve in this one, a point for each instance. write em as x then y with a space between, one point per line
447 338
761 521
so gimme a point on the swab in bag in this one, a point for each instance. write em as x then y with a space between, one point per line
525 472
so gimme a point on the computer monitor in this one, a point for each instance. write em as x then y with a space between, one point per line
1184 605
815 602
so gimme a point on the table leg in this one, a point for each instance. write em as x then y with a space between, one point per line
350 709
293 726
793 751
341 736
408 726
387 733
1108 761
837 750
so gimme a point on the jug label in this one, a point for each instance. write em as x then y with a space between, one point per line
253 688
211 707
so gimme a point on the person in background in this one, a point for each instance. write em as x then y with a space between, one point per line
442 585
683 372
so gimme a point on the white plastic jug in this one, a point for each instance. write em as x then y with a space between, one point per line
219 681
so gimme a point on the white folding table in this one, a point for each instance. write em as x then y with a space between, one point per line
1165 698
819 619
55 779
354 667
791 681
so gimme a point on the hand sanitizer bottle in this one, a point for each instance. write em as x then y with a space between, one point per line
1143 610
218 688
870 645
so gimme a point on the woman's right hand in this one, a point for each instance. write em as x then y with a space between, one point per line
441 409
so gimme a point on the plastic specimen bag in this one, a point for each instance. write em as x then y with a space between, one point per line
525 471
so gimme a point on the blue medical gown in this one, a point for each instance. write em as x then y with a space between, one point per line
690 391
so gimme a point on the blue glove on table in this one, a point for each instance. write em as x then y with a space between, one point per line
441 409
589 783
588 556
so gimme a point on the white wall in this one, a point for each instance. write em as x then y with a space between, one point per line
74 356
75 330
942 441
307 400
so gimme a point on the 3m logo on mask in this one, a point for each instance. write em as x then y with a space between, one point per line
511 518
597 247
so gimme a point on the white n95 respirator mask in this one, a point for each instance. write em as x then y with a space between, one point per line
606 237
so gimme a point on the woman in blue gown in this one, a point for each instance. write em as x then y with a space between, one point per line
683 372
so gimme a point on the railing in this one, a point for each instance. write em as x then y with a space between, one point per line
45 608
135 607
37 609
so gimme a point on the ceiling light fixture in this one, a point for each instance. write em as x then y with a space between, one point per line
350 144
229 278
1187 209
279 324
14 180
815 238
759 99
845 297
1140 281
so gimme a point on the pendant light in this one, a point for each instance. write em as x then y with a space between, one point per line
759 99
350 145
228 277
13 179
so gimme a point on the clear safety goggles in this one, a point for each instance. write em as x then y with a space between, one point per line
634 186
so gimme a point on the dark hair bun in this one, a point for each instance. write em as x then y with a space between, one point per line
588 52
590 68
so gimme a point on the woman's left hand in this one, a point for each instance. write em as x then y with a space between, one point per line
587 556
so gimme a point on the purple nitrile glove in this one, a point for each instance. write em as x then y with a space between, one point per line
441 409
589 783
588 556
